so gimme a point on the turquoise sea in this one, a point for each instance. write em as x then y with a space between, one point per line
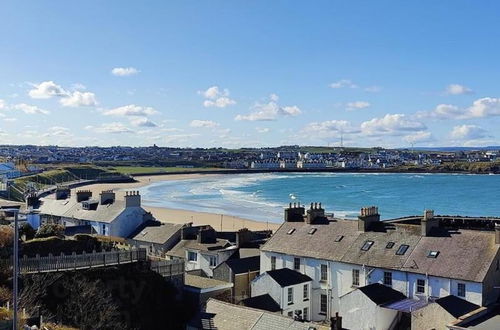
263 196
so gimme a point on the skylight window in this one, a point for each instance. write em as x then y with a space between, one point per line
339 238
367 245
389 245
402 249
290 232
432 254
312 231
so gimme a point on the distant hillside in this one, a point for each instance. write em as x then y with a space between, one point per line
453 149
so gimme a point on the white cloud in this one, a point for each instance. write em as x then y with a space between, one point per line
180 138
395 124
420 136
131 110
46 90
76 98
57 131
122 72
216 97
10 119
485 107
270 111
3 105
262 129
468 132
343 83
203 123
357 105
142 122
328 129
113 128
30 109
373 89
79 99
456 89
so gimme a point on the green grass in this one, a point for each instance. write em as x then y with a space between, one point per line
157 169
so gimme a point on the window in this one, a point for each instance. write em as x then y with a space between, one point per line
461 289
290 296
273 262
324 273
290 232
420 286
296 263
367 245
312 231
355 277
323 304
192 256
339 238
290 314
389 245
213 261
306 292
432 254
306 314
104 229
402 249
388 278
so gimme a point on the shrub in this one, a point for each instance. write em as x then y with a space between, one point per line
6 236
26 230
5 294
49 230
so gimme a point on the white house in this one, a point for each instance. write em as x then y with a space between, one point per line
291 290
201 249
107 215
421 257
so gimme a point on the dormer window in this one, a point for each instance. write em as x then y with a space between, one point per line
432 254
290 232
402 249
367 245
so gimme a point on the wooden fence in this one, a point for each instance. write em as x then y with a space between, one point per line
168 268
79 261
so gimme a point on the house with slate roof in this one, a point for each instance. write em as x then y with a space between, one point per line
424 258
290 290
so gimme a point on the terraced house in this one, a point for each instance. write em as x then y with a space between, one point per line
424 257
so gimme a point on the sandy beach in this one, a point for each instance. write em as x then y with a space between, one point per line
229 222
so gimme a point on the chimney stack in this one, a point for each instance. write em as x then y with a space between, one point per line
497 233
83 195
367 217
107 197
207 236
132 199
315 212
428 223
294 213
63 192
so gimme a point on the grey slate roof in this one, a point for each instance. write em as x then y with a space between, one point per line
156 232
264 302
456 306
286 277
70 208
381 294
244 265
463 254
230 317
179 250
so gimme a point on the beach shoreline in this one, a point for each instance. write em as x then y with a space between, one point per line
220 222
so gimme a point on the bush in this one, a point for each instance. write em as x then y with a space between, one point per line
49 230
6 236
26 230
5 294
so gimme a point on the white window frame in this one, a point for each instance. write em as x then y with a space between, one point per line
273 262
461 289
388 278
420 286
295 259
305 292
192 253
325 272
321 310
290 296
214 258
305 314
355 277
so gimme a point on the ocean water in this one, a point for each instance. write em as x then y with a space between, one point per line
264 196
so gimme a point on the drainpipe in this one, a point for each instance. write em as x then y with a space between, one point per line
427 283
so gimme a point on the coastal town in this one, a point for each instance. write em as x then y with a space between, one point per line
315 271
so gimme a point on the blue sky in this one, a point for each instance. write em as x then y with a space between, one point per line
241 73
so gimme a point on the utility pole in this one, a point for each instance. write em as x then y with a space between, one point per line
15 267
